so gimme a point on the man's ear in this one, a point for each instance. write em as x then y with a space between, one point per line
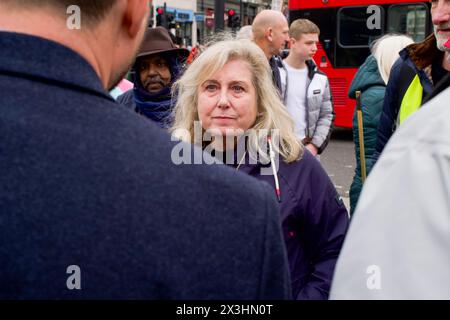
136 14
269 34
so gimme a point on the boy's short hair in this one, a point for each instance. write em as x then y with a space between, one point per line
302 26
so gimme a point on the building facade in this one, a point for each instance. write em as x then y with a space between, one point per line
244 11
180 19
192 21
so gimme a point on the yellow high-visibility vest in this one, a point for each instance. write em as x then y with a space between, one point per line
412 100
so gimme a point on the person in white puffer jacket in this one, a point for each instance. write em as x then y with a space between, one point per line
305 89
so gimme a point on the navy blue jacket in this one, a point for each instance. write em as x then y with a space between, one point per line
275 63
315 222
127 100
86 182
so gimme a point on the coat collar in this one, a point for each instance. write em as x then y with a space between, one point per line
312 68
41 59
423 54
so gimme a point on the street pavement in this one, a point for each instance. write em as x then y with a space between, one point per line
339 162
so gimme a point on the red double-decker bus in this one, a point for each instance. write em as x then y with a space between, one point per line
347 29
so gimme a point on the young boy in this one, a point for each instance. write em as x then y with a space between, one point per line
306 91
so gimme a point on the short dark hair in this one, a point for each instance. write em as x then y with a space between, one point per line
92 10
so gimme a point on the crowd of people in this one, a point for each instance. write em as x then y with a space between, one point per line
88 177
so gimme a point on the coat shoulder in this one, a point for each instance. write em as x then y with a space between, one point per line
127 99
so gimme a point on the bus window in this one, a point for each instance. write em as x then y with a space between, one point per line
325 19
353 27
408 19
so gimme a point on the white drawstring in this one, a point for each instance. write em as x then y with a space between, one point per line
274 169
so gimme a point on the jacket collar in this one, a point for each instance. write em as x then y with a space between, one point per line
310 64
312 68
423 54
41 59
367 76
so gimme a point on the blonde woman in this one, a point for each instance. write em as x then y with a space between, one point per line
228 95
371 80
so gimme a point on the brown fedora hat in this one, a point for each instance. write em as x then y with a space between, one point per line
158 40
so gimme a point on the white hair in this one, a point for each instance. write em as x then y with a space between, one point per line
386 49
245 32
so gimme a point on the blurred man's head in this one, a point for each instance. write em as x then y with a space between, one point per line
109 35
270 31
93 11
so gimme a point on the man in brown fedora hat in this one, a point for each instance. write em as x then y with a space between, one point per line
158 66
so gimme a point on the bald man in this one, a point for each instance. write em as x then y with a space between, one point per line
271 32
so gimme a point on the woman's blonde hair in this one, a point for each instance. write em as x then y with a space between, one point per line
271 114
386 49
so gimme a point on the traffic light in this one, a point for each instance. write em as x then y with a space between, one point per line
231 14
150 18
161 18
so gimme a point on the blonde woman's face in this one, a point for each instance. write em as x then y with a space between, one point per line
227 100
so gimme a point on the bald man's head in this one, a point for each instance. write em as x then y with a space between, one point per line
270 31
267 19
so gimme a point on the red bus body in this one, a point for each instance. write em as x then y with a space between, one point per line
340 62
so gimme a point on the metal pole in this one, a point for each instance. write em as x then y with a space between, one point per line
219 11
362 152
164 20
241 13
202 29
